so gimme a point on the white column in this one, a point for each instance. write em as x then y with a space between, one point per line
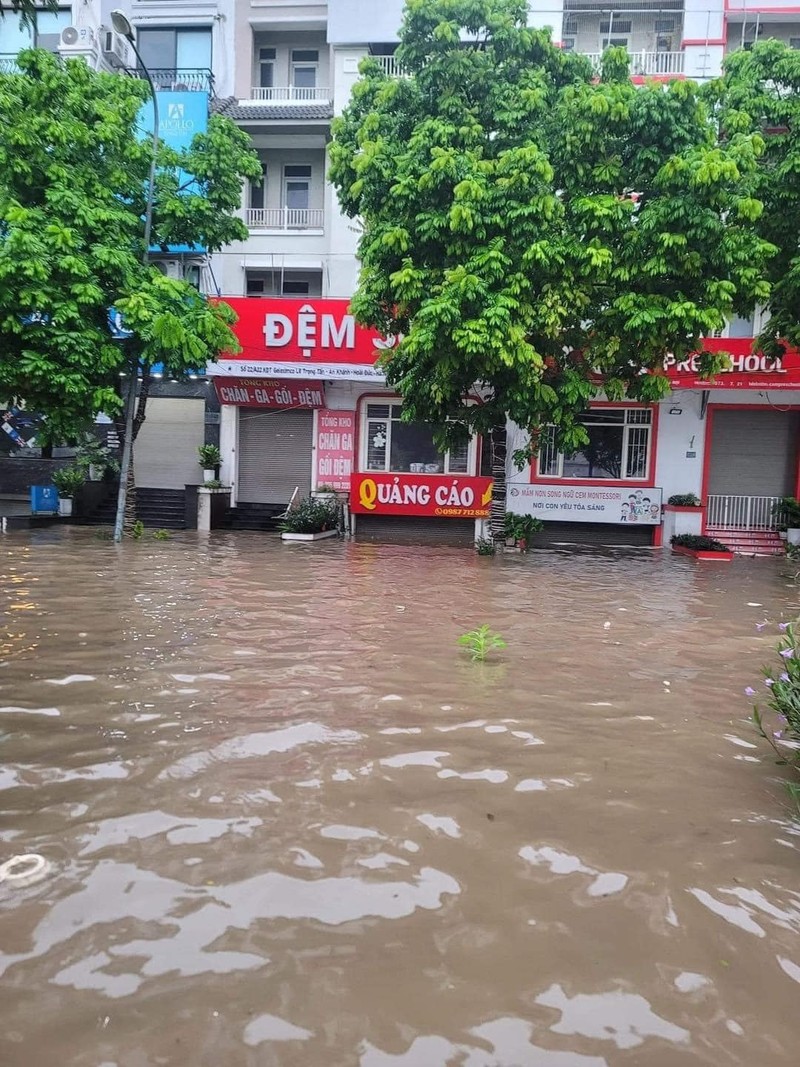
229 447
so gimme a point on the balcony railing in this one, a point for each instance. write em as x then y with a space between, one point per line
8 64
290 94
646 64
390 66
285 218
180 79
743 512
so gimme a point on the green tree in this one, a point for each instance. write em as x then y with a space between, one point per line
73 183
760 93
533 231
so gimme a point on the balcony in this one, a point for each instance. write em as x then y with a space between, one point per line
646 64
285 218
180 79
8 64
290 94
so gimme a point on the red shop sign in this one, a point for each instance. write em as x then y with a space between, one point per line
311 331
269 393
750 370
440 496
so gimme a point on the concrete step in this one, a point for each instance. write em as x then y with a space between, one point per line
749 542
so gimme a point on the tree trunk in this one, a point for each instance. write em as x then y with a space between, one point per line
130 502
497 514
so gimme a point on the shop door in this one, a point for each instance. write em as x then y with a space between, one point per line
753 452
165 454
274 455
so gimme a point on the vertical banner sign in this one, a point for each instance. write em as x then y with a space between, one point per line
334 455
181 115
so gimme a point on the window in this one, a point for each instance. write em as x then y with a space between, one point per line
296 186
266 64
571 25
794 42
284 283
406 447
304 68
258 190
185 49
664 25
568 44
49 24
614 42
608 25
618 448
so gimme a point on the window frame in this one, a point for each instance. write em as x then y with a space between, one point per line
176 31
646 479
303 64
391 401
289 178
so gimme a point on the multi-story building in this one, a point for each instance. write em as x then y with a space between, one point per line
303 404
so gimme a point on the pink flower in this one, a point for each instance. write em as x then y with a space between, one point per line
760 625
749 691
786 652
783 626
784 677
769 681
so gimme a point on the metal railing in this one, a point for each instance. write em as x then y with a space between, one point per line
8 64
743 512
285 218
291 94
180 79
646 64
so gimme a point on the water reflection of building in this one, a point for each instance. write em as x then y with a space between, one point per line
304 406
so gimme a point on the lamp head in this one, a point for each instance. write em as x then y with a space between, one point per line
121 23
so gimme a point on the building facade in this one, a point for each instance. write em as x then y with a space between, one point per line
303 404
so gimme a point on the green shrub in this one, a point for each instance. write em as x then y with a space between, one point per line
484 546
522 527
698 543
310 516
778 720
137 530
787 511
481 642
162 535
684 500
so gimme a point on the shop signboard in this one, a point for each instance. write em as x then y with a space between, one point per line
334 452
586 503
749 369
269 393
438 496
312 338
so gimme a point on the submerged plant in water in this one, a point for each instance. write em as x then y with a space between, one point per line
481 642
778 718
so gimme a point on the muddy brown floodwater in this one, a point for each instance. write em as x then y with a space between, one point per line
289 823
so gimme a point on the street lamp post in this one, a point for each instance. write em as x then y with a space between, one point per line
121 23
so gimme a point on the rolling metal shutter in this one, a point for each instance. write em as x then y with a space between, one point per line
753 452
274 455
165 453
405 530
592 533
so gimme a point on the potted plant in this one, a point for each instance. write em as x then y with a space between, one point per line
787 513
519 530
684 501
94 458
310 520
700 547
67 481
210 459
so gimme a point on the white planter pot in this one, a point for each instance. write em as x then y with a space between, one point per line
65 507
95 473
209 476
793 536
309 537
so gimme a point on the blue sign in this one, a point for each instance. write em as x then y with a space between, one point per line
181 115
116 326
44 500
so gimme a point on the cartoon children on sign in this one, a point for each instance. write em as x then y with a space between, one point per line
639 508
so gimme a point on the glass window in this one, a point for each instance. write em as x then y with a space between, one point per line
407 447
304 68
297 186
167 49
618 448
258 189
266 62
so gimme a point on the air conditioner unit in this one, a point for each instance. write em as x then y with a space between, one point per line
116 49
72 37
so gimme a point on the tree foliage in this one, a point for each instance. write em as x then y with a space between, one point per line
27 10
760 93
534 230
73 184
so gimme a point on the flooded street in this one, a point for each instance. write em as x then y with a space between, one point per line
290 823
